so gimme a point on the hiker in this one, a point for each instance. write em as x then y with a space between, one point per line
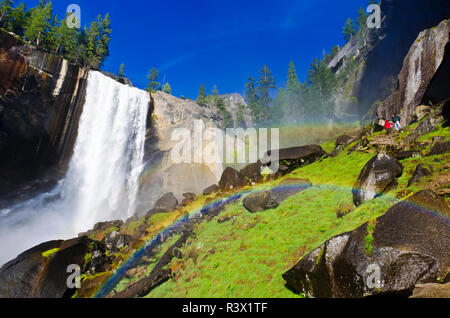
396 120
388 126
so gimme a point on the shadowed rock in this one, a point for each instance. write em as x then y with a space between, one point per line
440 148
167 202
265 200
253 172
232 179
343 140
295 157
377 177
405 154
420 172
33 275
409 246
211 189
261 201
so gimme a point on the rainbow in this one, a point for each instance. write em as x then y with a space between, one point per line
133 261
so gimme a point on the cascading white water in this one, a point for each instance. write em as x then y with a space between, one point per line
103 177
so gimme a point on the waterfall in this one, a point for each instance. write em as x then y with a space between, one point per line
102 180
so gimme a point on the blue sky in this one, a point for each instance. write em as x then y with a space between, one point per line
215 41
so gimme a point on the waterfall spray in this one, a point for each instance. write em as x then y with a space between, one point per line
102 181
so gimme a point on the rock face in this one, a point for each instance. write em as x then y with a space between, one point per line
32 274
377 177
295 157
431 291
408 245
41 98
163 172
237 107
402 21
419 68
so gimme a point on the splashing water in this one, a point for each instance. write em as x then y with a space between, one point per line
103 177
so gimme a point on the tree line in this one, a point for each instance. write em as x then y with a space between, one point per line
312 100
39 26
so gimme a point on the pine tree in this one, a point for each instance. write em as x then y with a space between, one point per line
92 36
167 89
104 38
215 91
321 87
153 84
18 19
251 97
349 29
201 98
5 10
266 82
121 72
39 23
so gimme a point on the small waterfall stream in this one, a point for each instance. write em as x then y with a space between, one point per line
102 180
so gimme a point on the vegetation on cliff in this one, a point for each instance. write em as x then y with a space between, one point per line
39 26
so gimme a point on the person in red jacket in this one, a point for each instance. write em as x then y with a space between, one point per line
388 126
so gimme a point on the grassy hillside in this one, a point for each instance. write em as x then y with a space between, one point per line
240 254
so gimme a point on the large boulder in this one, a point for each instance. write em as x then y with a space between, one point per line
167 202
265 200
406 246
41 272
295 157
290 187
253 172
232 179
260 201
343 140
378 176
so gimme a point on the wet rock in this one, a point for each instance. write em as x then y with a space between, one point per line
409 246
378 176
431 291
211 189
440 148
167 202
253 172
232 179
421 171
295 157
260 201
